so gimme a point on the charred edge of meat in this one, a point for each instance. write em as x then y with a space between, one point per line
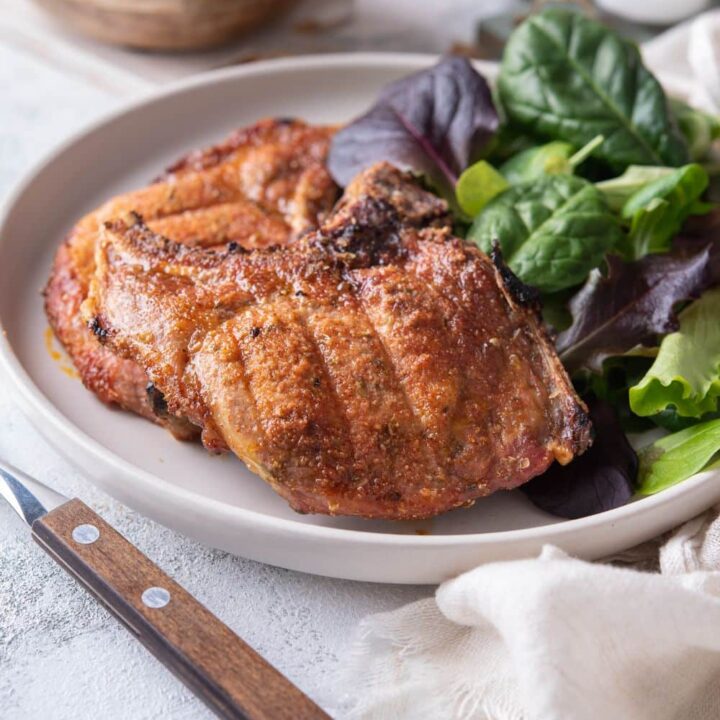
235 248
97 329
370 237
131 219
132 226
436 213
523 294
581 430
156 400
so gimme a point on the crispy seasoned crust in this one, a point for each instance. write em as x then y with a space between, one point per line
263 186
379 367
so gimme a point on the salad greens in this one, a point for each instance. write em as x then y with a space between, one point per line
552 231
435 122
657 211
699 128
686 372
619 372
553 158
618 190
477 185
630 304
676 457
593 186
566 77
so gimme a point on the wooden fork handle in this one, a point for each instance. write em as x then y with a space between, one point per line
225 672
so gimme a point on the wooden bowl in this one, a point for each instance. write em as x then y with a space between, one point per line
164 24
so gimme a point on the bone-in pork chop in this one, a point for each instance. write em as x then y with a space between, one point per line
378 367
263 186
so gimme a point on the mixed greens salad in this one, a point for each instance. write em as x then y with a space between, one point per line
596 187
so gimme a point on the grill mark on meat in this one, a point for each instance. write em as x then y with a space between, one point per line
304 429
366 387
469 390
327 384
417 341
232 375
242 222
284 302
393 362
297 306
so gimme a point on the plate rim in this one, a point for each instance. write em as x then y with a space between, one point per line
149 484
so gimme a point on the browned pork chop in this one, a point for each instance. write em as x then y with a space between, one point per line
263 186
379 367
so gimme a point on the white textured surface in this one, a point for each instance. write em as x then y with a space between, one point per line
61 655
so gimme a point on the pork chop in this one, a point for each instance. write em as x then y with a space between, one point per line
378 367
265 185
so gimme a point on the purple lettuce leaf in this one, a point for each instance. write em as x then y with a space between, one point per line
632 304
602 478
435 122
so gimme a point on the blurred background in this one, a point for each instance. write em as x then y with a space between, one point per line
174 38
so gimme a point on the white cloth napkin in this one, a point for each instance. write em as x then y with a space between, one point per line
552 639
688 58
557 638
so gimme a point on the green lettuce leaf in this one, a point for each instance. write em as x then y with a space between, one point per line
657 211
676 457
686 372
477 185
618 190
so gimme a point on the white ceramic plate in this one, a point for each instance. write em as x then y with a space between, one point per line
215 499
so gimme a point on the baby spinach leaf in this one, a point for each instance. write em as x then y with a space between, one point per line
657 211
619 189
631 305
686 372
676 457
553 158
477 185
600 479
435 122
552 231
565 77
